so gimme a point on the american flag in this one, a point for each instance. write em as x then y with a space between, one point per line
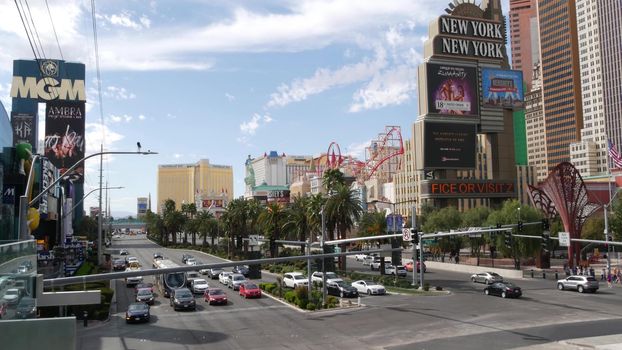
615 155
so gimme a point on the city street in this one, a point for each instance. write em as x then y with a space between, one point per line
466 317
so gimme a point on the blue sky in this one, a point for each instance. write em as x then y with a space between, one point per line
225 79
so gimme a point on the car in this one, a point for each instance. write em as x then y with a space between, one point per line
4 307
409 267
368 259
130 281
191 261
118 265
185 257
123 252
369 287
116 236
5 281
241 269
137 312
486 277
199 286
26 308
215 296
399 271
157 255
375 265
249 290
223 277
131 260
22 269
145 295
360 257
579 283
214 272
295 280
341 289
234 280
503 289
191 275
330 277
12 296
182 298
143 286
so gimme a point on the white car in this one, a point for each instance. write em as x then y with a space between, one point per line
131 260
330 277
224 277
400 271
136 279
199 286
295 279
367 260
191 261
360 257
486 277
369 287
12 296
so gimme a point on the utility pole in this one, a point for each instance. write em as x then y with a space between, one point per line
100 248
416 242
323 259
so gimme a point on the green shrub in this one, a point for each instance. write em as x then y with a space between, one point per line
301 303
311 306
289 296
301 293
426 286
332 301
439 288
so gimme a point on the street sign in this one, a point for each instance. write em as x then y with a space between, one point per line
406 235
253 240
564 239
475 229
394 221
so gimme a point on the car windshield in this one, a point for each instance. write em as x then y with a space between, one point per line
239 278
301 277
331 275
27 303
216 292
251 286
591 279
369 283
510 285
495 274
143 292
342 284
11 292
136 307
200 282
183 294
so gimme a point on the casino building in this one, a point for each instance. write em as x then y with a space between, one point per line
462 152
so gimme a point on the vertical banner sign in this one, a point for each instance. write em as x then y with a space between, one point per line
452 90
24 128
47 177
64 136
502 88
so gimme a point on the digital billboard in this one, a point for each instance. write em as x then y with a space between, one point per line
452 90
24 128
502 88
64 136
449 145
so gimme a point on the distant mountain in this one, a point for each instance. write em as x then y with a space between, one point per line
122 214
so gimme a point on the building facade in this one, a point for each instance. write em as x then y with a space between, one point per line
534 126
561 86
183 182
524 37
142 205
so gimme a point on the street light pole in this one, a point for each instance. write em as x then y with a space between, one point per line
323 259
414 225
86 195
100 249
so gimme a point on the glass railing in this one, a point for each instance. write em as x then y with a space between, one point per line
18 269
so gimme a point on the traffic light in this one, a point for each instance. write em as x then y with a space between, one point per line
520 226
545 241
545 225
508 239
415 235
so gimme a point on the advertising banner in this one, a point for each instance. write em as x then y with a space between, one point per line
48 176
449 145
64 136
24 127
468 189
502 88
452 90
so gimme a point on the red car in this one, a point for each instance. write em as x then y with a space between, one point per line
409 267
250 290
215 296
3 309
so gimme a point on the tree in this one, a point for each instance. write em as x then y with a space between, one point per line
332 178
297 220
520 247
445 219
207 225
372 224
88 228
314 210
271 220
155 227
173 219
476 217
189 210
343 209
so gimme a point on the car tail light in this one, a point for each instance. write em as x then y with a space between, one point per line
508 289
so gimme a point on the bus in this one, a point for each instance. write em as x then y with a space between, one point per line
169 281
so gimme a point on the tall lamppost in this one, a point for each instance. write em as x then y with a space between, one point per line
24 204
606 209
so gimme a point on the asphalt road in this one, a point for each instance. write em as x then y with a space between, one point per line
465 319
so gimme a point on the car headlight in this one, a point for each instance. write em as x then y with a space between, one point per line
175 300
145 315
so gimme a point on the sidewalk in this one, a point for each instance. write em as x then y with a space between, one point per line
607 342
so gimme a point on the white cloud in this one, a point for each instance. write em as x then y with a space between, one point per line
145 21
125 20
5 98
249 127
392 87
325 79
118 93
120 118
141 117
177 155
357 150
170 116
230 97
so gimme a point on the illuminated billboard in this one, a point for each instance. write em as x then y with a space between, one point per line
452 90
64 136
449 145
502 88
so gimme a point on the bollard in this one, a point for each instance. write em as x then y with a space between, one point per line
86 318
556 276
359 301
531 273
543 274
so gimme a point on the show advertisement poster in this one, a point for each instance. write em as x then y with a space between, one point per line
452 90
64 136
449 145
502 88
24 128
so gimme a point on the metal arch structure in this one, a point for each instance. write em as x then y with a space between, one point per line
387 147
333 160
564 192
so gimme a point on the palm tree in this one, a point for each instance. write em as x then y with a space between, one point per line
314 209
205 225
332 178
189 210
297 220
173 220
343 209
235 219
272 220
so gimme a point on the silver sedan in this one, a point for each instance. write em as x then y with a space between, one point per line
486 277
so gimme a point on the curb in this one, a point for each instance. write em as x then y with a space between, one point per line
314 312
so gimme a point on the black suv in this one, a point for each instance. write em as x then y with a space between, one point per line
118 265
182 298
185 258
241 269
341 289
